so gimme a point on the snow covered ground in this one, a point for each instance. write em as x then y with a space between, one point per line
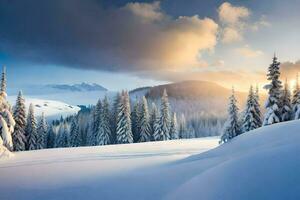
52 109
261 164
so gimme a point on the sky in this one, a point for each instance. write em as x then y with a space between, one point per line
123 44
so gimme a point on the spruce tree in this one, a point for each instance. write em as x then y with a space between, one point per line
42 131
296 100
231 127
51 137
95 123
19 138
75 136
123 130
7 122
273 104
286 112
257 108
114 118
174 127
135 120
104 132
162 127
145 134
153 117
182 127
31 130
251 119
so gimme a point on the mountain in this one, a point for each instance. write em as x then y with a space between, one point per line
51 109
260 164
193 97
82 87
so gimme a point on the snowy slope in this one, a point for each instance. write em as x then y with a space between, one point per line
262 164
51 109
76 173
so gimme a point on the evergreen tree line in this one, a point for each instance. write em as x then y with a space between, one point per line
102 124
280 106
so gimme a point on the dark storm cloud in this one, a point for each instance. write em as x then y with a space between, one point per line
84 34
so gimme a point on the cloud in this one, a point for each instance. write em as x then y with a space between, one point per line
235 21
232 15
289 70
247 52
82 34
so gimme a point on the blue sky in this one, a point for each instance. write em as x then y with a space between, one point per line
125 44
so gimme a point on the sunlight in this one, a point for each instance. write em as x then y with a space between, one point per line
292 84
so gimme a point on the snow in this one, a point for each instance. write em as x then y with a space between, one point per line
260 164
52 109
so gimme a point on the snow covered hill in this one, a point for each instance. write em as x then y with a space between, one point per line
261 164
51 109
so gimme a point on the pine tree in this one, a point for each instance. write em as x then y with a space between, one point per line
162 127
286 112
296 100
257 108
42 131
153 117
135 120
31 130
182 127
19 138
95 123
7 122
251 119
174 127
123 131
75 136
145 135
104 132
231 127
51 137
62 139
114 118
273 104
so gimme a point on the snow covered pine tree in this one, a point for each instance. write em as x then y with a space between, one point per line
296 100
273 104
286 111
145 135
123 130
163 123
103 136
42 131
231 127
7 122
31 130
251 119
19 138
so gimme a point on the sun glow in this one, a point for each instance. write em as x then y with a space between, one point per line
292 84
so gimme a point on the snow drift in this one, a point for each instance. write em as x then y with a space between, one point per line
261 164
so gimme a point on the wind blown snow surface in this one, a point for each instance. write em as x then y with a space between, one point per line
261 164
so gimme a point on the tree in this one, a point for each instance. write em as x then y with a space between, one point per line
62 139
286 111
257 108
231 127
51 137
174 127
251 119
31 130
135 121
145 134
162 126
18 136
95 123
296 100
75 136
104 132
273 104
7 122
42 131
153 116
123 130
182 127
114 118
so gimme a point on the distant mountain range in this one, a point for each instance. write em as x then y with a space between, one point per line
82 87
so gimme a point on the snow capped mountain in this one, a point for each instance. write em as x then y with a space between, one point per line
51 109
82 87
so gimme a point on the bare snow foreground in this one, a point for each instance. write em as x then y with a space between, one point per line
262 164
